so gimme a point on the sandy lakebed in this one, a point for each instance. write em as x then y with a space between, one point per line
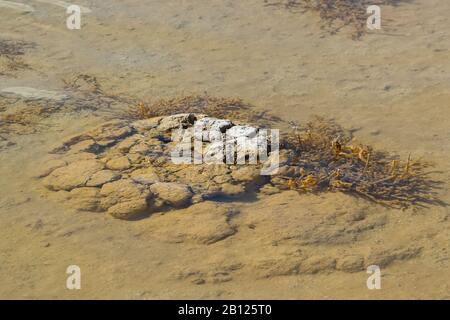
390 89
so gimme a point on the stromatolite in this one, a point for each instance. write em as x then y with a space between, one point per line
125 167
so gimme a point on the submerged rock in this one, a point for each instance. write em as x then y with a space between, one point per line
120 163
85 199
125 168
123 190
175 194
129 209
101 177
74 175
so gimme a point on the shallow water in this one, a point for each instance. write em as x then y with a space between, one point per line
391 88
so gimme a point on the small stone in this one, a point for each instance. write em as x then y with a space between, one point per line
123 190
129 209
119 164
175 194
72 176
125 145
140 148
100 178
134 157
145 176
85 146
50 166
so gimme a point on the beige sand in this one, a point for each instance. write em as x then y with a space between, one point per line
392 87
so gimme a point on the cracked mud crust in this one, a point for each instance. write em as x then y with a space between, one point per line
125 168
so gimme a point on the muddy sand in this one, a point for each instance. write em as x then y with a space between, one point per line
83 181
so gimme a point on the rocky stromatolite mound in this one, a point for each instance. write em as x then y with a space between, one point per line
125 168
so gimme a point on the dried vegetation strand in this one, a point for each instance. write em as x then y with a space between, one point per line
230 108
88 94
11 56
331 159
19 115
